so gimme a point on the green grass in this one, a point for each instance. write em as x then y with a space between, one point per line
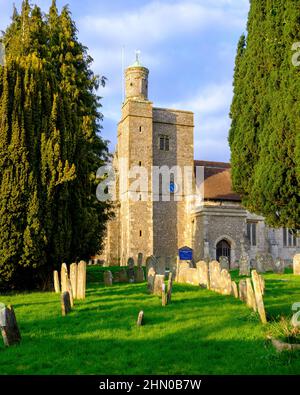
200 332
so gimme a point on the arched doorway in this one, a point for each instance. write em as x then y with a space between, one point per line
223 249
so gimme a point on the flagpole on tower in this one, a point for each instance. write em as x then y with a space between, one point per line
123 67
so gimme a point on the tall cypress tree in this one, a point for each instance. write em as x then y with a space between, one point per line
49 126
263 135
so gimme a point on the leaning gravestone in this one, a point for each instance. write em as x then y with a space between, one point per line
8 325
243 290
139 276
63 277
151 279
234 290
296 265
150 263
170 287
81 280
73 279
130 264
56 282
163 295
65 303
108 278
262 284
140 259
225 282
224 262
140 318
279 266
158 284
251 302
203 274
258 296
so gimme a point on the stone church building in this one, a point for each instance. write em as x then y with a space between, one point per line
218 226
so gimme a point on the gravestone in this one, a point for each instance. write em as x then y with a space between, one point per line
243 290
139 276
296 265
258 296
108 279
56 282
262 284
140 259
150 263
130 264
73 279
225 282
116 277
234 290
123 276
161 265
203 274
244 264
170 288
151 279
224 262
140 319
251 302
65 303
163 295
69 289
9 327
191 276
260 263
279 266
63 277
158 283
81 280
214 275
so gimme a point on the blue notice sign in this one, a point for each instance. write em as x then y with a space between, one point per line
185 254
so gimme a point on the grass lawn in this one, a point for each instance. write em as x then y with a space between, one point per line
200 332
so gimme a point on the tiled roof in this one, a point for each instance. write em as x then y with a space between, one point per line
217 181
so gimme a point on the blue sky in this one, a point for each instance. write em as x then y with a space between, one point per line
189 47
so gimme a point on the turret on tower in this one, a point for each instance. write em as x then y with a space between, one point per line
136 81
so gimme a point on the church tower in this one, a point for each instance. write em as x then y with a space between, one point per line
149 137
134 153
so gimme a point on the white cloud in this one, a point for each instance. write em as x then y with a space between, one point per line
158 21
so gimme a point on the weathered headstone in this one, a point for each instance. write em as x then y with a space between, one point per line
260 263
243 290
73 279
161 265
130 264
203 274
258 296
63 277
262 284
140 319
139 276
251 302
140 259
170 288
225 282
150 263
279 266
151 279
56 282
108 278
214 275
224 262
123 276
244 264
163 295
234 290
69 289
81 280
158 283
65 303
296 265
9 327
